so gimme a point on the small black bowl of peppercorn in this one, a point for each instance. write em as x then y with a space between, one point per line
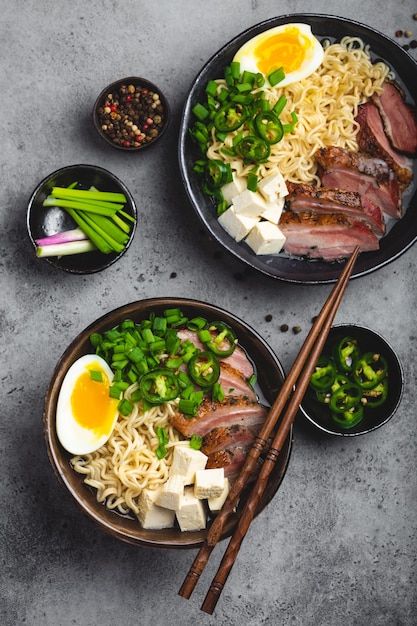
357 384
131 114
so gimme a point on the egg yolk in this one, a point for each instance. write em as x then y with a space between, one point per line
287 50
91 405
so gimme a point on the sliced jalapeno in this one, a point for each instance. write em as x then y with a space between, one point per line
222 340
369 370
253 149
377 395
230 117
324 374
217 173
269 126
349 419
345 398
345 354
159 386
204 369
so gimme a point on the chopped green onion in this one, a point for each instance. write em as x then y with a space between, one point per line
200 111
279 105
125 407
106 196
211 88
188 407
65 249
196 442
197 323
276 76
252 181
97 376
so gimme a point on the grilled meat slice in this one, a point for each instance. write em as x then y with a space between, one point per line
238 359
232 460
240 410
303 197
398 117
372 178
233 382
372 139
327 237
225 437
333 156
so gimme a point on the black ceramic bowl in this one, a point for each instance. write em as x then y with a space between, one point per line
285 267
270 377
44 221
123 110
368 341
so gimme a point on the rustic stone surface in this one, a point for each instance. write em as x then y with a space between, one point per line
337 545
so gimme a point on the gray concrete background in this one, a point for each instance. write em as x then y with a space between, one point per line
337 545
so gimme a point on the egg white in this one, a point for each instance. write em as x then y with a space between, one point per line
72 436
314 53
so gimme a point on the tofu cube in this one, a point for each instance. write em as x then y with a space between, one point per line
191 514
169 495
265 238
274 210
229 190
249 203
216 502
186 462
152 516
273 186
209 483
238 226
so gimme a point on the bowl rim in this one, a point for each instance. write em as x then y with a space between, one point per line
138 80
59 459
376 335
110 258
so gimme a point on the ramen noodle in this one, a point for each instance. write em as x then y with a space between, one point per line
127 463
326 104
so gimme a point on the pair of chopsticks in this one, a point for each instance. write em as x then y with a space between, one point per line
296 384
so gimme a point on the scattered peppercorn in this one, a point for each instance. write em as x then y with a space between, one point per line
413 43
268 318
398 33
283 328
132 116
296 330
173 275
408 33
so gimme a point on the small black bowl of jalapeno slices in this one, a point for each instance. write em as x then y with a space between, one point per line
357 383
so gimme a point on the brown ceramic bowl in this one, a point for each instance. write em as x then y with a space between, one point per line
369 341
128 103
44 221
270 377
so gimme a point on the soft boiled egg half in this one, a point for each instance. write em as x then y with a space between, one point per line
86 414
290 46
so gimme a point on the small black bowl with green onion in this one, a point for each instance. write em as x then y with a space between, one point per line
81 219
357 385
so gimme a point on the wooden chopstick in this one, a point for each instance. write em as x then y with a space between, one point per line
309 353
255 496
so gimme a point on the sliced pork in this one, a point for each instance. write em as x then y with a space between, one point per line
233 382
327 237
371 177
225 437
232 410
238 359
307 198
231 459
398 117
372 139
